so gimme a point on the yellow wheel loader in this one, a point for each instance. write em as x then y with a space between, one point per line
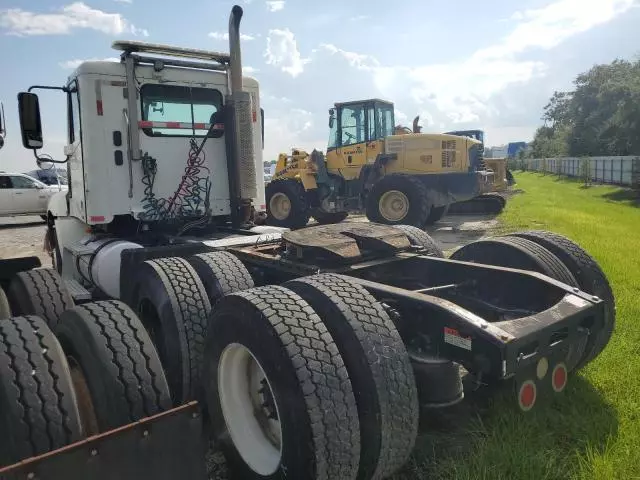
493 201
394 178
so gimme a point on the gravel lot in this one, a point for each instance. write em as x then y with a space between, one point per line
21 236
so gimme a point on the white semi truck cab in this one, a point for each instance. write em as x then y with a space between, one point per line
166 142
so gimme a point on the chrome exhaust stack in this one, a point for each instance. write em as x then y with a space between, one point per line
241 164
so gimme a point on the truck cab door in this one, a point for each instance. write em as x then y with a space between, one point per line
6 195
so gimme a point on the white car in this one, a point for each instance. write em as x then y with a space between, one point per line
23 195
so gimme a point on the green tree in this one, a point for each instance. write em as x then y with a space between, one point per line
601 116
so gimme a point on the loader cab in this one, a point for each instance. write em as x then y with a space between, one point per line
357 133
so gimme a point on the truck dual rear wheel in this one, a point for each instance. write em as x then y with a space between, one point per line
590 278
398 199
287 204
378 366
38 408
173 305
5 308
221 273
117 372
41 292
420 238
277 390
521 253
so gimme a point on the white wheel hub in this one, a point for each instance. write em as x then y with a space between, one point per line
280 206
250 410
393 206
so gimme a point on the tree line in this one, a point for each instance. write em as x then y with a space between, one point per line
599 117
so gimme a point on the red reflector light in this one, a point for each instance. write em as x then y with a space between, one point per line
99 107
255 116
559 377
527 395
96 218
263 207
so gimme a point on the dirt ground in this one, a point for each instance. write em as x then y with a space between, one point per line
22 236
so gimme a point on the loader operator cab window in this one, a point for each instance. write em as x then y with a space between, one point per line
385 120
172 103
352 124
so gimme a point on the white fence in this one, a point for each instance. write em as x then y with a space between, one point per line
615 170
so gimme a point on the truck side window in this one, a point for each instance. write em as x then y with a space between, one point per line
73 105
184 105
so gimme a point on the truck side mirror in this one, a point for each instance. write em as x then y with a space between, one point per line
3 130
30 123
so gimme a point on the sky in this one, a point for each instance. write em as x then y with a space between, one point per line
459 64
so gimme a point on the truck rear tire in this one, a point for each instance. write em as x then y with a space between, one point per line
515 252
398 199
378 366
221 273
420 238
518 253
173 305
278 393
38 408
40 292
116 362
5 308
590 278
287 204
324 218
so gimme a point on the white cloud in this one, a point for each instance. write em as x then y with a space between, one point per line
124 1
275 5
462 90
282 51
225 36
358 18
357 60
249 70
73 64
74 16
289 128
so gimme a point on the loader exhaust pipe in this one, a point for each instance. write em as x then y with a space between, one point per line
238 116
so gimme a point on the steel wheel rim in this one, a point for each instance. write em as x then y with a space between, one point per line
280 206
248 406
393 206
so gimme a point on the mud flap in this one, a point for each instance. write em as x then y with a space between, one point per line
167 446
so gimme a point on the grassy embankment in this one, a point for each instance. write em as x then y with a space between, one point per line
592 430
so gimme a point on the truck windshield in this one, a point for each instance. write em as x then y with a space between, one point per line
180 104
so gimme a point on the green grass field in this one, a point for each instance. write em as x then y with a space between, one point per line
591 430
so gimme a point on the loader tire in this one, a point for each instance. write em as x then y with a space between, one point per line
435 214
378 366
116 369
590 278
420 238
40 292
324 218
305 386
221 273
173 305
518 253
5 308
287 204
406 192
38 409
